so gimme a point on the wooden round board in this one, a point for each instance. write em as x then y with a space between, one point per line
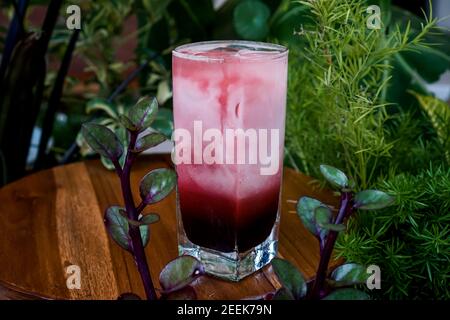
54 218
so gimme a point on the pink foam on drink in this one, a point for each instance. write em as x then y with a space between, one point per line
237 88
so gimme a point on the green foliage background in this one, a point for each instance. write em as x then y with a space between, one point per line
409 242
350 105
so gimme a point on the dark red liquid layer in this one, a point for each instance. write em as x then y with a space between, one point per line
220 223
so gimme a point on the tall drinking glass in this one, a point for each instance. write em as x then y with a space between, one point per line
229 101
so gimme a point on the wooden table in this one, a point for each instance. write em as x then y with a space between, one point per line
54 218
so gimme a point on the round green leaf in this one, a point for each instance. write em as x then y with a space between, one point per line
347 294
334 176
305 210
143 113
372 200
121 133
117 226
323 218
126 122
251 19
149 141
322 215
102 140
157 184
145 220
180 272
290 277
349 274
149 218
107 163
164 122
145 234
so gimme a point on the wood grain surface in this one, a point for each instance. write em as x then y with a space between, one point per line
54 218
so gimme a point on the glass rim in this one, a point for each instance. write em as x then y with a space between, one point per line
282 50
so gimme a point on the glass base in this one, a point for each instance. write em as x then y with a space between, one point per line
232 266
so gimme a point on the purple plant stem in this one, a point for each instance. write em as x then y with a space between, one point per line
345 209
140 207
134 232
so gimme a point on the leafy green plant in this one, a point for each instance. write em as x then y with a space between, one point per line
439 114
112 116
319 219
62 111
409 241
339 109
103 23
358 99
127 226
413 70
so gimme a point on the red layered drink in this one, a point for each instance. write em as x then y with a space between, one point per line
229 110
